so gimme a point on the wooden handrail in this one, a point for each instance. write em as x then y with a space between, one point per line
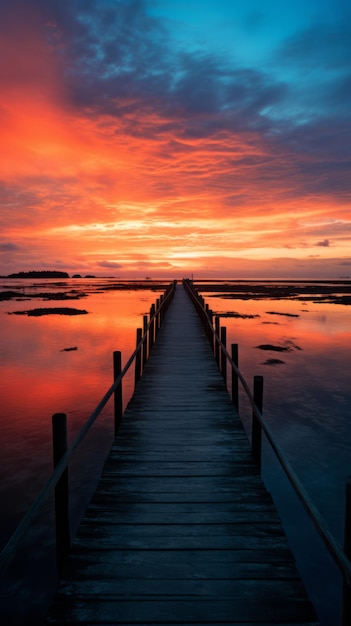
340 558
10 549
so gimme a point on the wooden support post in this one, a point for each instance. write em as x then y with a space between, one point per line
63 539
138 356
206 321
256 440
145 354
118 404
157 325
235 380
203 311
151 330
207 308
223 356
216 347
346 600
162 312
210 327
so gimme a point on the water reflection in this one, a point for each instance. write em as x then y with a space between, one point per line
38 378
307 402
307 397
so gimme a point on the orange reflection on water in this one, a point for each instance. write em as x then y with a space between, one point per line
39 377
312 341
50 377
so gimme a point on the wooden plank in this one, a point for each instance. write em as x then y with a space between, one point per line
110 589
158 537
229 564
181 529
164 559
72 610
110 510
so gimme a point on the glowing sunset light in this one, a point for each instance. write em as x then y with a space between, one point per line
123 133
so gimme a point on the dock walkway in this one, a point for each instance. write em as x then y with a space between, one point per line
181 529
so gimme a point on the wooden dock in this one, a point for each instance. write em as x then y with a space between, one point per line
181 529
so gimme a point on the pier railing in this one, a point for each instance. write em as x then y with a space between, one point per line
218 340
145 339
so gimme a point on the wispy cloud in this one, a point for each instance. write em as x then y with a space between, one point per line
109 264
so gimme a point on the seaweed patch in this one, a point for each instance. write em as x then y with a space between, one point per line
235 314
284 314
269 346
273 362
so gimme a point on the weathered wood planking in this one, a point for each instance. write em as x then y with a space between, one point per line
181 529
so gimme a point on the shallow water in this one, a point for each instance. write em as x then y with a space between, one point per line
39 377
307 401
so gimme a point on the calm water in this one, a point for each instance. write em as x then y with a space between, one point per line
307 400
39 377
307 403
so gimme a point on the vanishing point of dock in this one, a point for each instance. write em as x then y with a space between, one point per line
181 529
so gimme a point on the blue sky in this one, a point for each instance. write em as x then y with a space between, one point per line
305 45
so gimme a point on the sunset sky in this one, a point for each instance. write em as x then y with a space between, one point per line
171 137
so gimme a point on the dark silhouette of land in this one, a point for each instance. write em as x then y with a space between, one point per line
39 274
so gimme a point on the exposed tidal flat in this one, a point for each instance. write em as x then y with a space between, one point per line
63 363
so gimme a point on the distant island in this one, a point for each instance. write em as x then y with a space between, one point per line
39 274
45 274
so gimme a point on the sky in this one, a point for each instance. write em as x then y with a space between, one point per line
170 138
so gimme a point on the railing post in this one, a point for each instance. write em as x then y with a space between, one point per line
346 600
118 404
63 540
208 324
256 440
223 356
235 380
157 325
151 329
163 309
210 333
216 346
145 339
138 359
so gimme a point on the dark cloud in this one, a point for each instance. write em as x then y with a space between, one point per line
320 154
317 63
323 244
111 49
322 46
341 92
8 247
109 264
116 58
